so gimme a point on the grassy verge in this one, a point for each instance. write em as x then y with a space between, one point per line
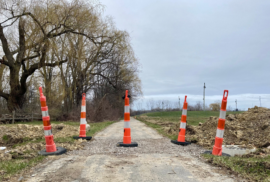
158 128
13 166
96 127
9 168
252 168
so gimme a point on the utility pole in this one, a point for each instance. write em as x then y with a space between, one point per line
236 104
179 104
204 97
260 101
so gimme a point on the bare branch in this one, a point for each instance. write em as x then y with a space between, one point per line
31 57
6 47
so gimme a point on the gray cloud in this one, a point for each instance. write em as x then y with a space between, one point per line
182 44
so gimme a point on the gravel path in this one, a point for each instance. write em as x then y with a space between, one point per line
155 159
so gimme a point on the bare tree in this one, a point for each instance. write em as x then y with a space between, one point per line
38 24
151 103
198 106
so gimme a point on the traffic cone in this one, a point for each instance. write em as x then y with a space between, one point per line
83 121
51 149
127 132
182 131
217 149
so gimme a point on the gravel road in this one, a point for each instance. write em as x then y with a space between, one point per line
155 159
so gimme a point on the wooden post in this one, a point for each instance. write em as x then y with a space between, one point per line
13 116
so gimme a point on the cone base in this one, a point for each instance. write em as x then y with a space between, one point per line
132 144
223 154
180 143
84 138
59 151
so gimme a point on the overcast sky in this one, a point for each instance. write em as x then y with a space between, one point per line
181 44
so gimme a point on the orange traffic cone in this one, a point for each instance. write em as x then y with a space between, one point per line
127 132
182 131
217 149
51 149
83 121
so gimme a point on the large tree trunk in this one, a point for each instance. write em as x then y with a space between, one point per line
16 97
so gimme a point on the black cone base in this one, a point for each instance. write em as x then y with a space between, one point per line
180 143
59 151
84 138
223 154
132 144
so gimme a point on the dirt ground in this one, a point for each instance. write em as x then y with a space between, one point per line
24 141
155 159
248 129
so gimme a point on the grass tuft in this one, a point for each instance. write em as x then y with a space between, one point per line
5 138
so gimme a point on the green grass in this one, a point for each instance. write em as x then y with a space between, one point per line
96 127
14 166
158 128
252 168
193 117
5 138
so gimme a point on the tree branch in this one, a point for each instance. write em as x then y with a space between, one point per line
106 78
31 57
4 95
6 47
40 26
18 16
2 61
21 52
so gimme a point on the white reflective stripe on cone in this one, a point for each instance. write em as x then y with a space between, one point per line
220 133
45 113
48 132
83 109
127 109
222 114
184 112
183 125
127 124
83 121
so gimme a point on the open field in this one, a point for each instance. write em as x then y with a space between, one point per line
173 117
22 149
193 117
202 125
